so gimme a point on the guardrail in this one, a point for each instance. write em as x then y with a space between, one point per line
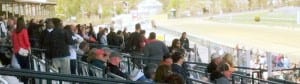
62 77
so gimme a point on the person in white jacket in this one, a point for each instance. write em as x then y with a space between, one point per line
73 48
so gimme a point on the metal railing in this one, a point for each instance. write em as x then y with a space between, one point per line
62 77
242 76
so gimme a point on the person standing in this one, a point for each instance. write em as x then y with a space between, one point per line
185 41
155 49
21 45
178 66
56 41
71 30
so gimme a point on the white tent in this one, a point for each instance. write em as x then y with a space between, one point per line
149 7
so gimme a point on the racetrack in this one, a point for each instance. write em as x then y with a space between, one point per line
274 39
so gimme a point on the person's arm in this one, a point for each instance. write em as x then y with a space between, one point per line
26 39
165 48
146 51
68 38
79 38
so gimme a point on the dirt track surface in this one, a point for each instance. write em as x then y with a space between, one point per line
279 40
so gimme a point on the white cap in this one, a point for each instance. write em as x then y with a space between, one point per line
215 55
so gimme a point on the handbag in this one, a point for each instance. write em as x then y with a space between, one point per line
23 52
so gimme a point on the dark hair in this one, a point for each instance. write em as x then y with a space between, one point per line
83 44
119 32
152 35
177 56
105 29
31 21
68 29
149 70
175 79
57 22
161 73
166 56
91 32
174 42
183 33
1 18
143 31
20 24
137 26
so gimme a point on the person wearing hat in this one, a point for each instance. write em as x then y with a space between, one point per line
99 59
212 67
114 64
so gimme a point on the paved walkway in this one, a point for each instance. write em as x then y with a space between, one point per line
251 36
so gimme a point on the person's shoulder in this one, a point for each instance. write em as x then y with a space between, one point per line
222 80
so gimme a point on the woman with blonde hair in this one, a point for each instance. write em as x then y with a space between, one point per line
228 60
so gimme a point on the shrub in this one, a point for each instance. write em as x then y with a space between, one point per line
257 19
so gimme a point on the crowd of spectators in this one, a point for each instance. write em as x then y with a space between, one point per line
69 43
65 44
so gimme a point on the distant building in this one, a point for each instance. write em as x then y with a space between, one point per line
149 7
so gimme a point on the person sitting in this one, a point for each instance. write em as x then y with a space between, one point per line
149 72
176 46
114 65
98 59
167 60
175 79
212 67
162 72
228 59
226 74
82 51
178 66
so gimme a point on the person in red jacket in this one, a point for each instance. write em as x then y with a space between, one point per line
21 44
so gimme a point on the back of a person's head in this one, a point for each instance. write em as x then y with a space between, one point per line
161 73
177 56
223 67
149 70
68 28
119 32
143 31
83 45
152 35
167 56
1 19
138 26
175 79
57 22
20 24
228 58
91 54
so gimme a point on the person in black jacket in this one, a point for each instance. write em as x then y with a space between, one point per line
178 66
56 41
111 37
34 32
185 41
212 67
114 65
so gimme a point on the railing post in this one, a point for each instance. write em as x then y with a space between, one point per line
252 76
128 64
233 81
